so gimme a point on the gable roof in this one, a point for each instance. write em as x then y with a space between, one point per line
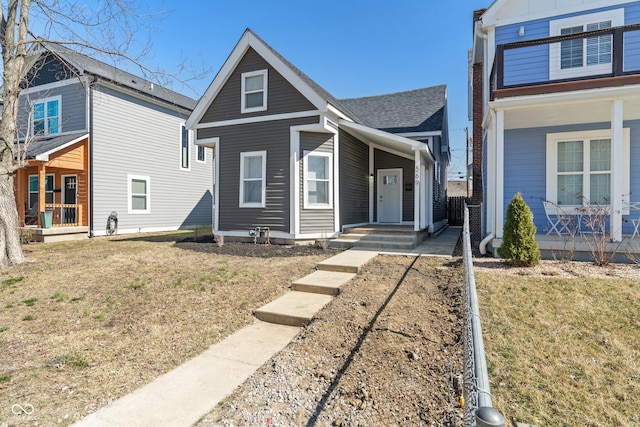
84 64
318 96
420 110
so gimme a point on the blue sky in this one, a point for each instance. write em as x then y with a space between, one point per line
352 48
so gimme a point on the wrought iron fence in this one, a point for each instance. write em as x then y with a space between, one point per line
476 391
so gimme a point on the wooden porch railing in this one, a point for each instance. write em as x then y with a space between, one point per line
65 214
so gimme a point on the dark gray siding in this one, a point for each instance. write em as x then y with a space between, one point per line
49 69
282 96
439 183
354 180
314 220
384 160
274 137
73 106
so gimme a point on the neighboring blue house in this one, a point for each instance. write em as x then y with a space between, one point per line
291 158
556 108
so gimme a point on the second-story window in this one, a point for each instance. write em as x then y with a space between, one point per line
254 91
46 116
586 56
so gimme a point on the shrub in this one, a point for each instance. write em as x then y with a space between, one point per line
519 247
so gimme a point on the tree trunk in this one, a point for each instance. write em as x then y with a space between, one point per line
11 251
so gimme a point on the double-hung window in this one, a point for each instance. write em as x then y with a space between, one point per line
201 156
46 116
317 173
139 194
579 168
254 91
253 179
583 56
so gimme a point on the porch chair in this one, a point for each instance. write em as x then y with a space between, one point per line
635 222
559 220
31 215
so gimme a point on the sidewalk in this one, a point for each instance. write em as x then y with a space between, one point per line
182 396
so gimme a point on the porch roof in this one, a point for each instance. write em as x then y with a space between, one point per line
42 148
388 140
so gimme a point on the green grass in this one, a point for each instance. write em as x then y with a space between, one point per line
10 282
30 302
5 379
74 360
136 285
28 318
59 296
562 351
3 328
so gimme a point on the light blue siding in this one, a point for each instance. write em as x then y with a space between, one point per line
531 64
525 166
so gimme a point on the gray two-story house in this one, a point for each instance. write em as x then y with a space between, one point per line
106 149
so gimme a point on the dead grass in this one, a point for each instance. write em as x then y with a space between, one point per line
563 350
83 323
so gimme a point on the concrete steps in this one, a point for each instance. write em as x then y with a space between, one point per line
311 293
378 238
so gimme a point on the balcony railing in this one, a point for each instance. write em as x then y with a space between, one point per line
591 59
65 215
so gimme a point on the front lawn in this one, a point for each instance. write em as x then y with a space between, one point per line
563 343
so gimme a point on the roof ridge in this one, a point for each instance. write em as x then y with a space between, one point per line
402 92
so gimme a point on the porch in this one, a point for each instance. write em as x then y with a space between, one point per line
559 64
380 236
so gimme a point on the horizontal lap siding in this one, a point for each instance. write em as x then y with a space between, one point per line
282 96
384 160
315 220
531 64
73 106
525 166
354 180
132 136
273 137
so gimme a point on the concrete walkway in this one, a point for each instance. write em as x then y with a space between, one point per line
182 396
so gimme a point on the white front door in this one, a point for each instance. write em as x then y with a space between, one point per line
390 195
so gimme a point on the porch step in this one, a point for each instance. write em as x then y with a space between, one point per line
322 282
398 230
347 261
293 308
376 241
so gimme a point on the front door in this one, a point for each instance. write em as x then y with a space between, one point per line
69 197
390 195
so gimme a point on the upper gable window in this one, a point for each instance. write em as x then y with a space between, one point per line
46 116
587 56
254 91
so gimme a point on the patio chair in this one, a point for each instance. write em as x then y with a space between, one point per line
560 221
31 215
635 222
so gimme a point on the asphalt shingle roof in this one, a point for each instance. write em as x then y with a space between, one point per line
419 110
44 145
101 69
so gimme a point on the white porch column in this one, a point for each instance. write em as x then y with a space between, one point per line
428 182
417 189
423 197
372 174
489 188
617 169
499 175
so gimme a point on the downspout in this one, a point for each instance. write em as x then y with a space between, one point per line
91 222
484 243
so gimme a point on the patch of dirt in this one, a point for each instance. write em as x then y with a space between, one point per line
384 352
206 244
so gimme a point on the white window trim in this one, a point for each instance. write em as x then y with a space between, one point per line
616 16
189 144
46 122
305 175
204 152
265 85
130 210
262 203
552 163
